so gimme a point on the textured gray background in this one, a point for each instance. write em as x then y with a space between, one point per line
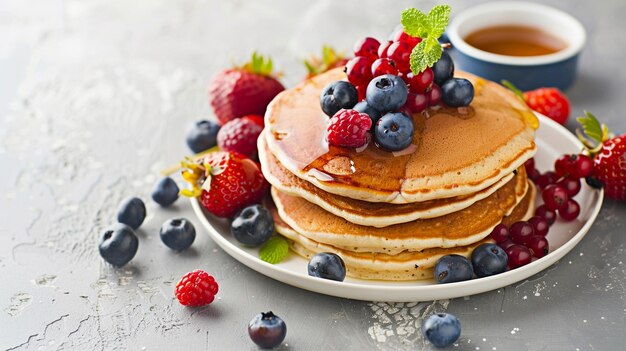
96 97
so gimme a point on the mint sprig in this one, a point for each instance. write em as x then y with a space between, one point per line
274 250
429 27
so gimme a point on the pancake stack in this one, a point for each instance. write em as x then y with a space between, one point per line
392 215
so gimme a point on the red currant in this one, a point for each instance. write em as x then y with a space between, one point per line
538 246
564 165
571 185
506 244
358 70
421 82
529 164
383 66
400 35
500 233
519 255
400 53
554 196
521 231
533 174
367 47
361 89
416 102
583 165
434 95
547 214
570 211
382 49
540 225
546 179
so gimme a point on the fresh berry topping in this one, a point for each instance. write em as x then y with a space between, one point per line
359 70
506 244
417 102
529 164
383 66
177 234
521 231
563 165
441 329
610 167
196 288
253 226
243 91
118 244
240 135
394 131
420 83
533 174
131 212
434 95
554 196
457 92
550 102
570 211
453 268
367 47
202 136
233 182
338 95
519 255
538 246
443 69
500 233
400 35
348 128
594 183
400 53
571 185
267 330
386 93
583 166
546 179
382 49
327 265
540 225
165 191
364 107
546 213
489 259
361 91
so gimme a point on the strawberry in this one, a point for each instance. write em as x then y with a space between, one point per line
329 60
609 156
246 90
240 135
550 102
226 182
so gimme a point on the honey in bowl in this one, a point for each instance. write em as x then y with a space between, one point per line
513 40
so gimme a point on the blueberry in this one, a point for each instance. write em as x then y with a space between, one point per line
177 234
338 95
443 69
394 131
253 225
441 329
267 330
328 266
165 192
131 212
202 136
364 107
386 93
118 244
489 259
453 268
457 92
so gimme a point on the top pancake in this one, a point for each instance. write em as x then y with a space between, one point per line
450 156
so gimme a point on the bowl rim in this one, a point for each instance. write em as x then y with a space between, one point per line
576 38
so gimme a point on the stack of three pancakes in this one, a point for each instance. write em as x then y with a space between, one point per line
391 216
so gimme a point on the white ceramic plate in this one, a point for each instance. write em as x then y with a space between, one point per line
552 140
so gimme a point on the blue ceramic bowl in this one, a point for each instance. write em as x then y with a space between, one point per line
526 72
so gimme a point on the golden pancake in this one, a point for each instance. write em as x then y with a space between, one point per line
451 155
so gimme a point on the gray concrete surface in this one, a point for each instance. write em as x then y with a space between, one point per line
95 99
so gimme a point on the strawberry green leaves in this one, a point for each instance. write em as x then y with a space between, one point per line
429 27
260 64
593 134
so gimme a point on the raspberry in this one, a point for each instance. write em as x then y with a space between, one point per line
348 128
240 135
196 288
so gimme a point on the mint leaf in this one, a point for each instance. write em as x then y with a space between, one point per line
591 127
414 22
428 27
274 250
422 58
438 18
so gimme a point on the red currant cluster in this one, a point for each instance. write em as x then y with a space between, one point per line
373 59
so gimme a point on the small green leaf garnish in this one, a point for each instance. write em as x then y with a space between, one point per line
260 64
428 27
593 132
330 58
513 88
274 250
